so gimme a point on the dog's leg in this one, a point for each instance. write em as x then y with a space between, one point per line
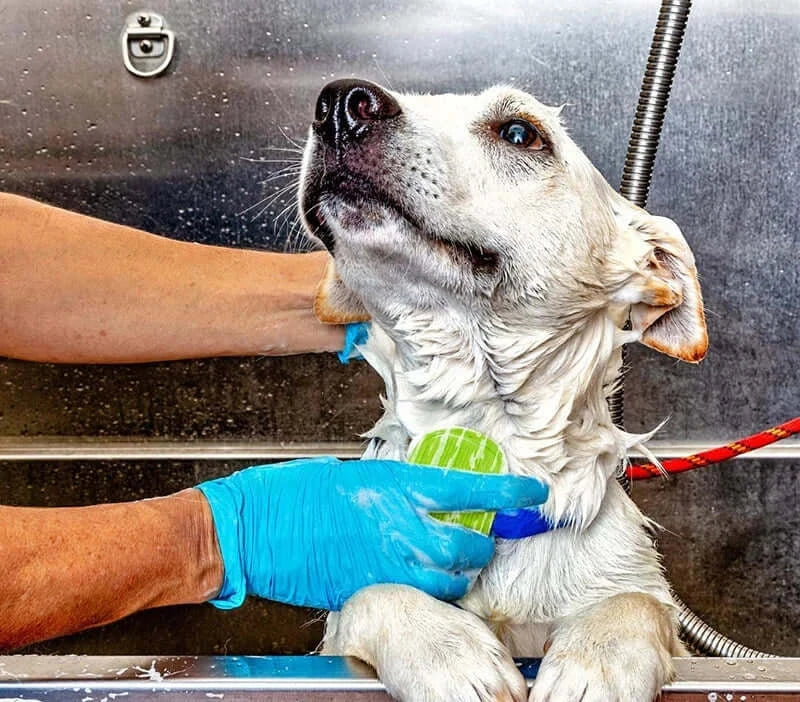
618 650
424 650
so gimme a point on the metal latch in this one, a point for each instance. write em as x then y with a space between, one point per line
147 44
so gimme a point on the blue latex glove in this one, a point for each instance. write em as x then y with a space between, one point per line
355 334
314 531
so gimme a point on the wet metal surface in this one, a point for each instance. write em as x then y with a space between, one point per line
82 449
730 542
170 154
305 398
185 154
322 677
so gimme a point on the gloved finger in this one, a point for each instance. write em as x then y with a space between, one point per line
440 584
448 490
355 335
452 547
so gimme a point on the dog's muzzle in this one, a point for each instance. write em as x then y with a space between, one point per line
352 121
347 110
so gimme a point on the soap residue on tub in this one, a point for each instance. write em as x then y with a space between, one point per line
150 673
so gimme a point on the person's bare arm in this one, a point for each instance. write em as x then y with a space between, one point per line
67 569
74 289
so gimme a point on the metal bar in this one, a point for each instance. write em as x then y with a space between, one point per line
98 678
79 449
60 449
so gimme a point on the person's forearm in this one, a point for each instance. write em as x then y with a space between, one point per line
74 289
68 569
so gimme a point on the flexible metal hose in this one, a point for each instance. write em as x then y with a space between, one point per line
645 135
635 186
705 639
653 97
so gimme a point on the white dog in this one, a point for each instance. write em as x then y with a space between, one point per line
499 267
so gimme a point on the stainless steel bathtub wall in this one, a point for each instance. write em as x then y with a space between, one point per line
183 154
324 679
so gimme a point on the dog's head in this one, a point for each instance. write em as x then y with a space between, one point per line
482 203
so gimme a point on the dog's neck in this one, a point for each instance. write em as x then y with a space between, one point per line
541 396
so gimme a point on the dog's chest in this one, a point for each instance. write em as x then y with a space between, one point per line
542 579
532 583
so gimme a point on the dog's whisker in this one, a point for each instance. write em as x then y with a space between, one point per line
290 164
301 241
298 150
277 219
264 209
279 175
274 181
310 235
383 73
290 140
293 169
285 188
269 200
251 207
270 160
292 232
283 214
260 202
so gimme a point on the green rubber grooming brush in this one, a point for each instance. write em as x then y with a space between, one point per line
460 449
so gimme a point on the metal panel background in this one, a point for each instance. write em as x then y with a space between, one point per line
169 155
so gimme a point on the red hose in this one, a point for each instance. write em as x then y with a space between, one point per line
716 455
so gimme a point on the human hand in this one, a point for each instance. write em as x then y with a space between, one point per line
314 531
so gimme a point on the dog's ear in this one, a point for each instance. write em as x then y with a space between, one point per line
658 279
334 302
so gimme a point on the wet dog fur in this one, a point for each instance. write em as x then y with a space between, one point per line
498 277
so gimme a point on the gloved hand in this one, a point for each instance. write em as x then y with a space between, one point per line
314 531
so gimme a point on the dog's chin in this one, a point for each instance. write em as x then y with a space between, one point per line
360 214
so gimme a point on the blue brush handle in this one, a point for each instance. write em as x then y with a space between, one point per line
520 524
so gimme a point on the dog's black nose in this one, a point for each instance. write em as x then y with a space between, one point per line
346 109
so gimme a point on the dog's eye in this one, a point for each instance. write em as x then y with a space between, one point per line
521 133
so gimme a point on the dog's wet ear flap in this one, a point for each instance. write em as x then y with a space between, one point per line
661 285
335 303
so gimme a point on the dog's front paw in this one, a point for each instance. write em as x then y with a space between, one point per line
425 650
576 675
465 663
620 651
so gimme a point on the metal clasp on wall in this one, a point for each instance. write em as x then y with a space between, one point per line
147 44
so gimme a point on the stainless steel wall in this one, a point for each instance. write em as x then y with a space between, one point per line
186 153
